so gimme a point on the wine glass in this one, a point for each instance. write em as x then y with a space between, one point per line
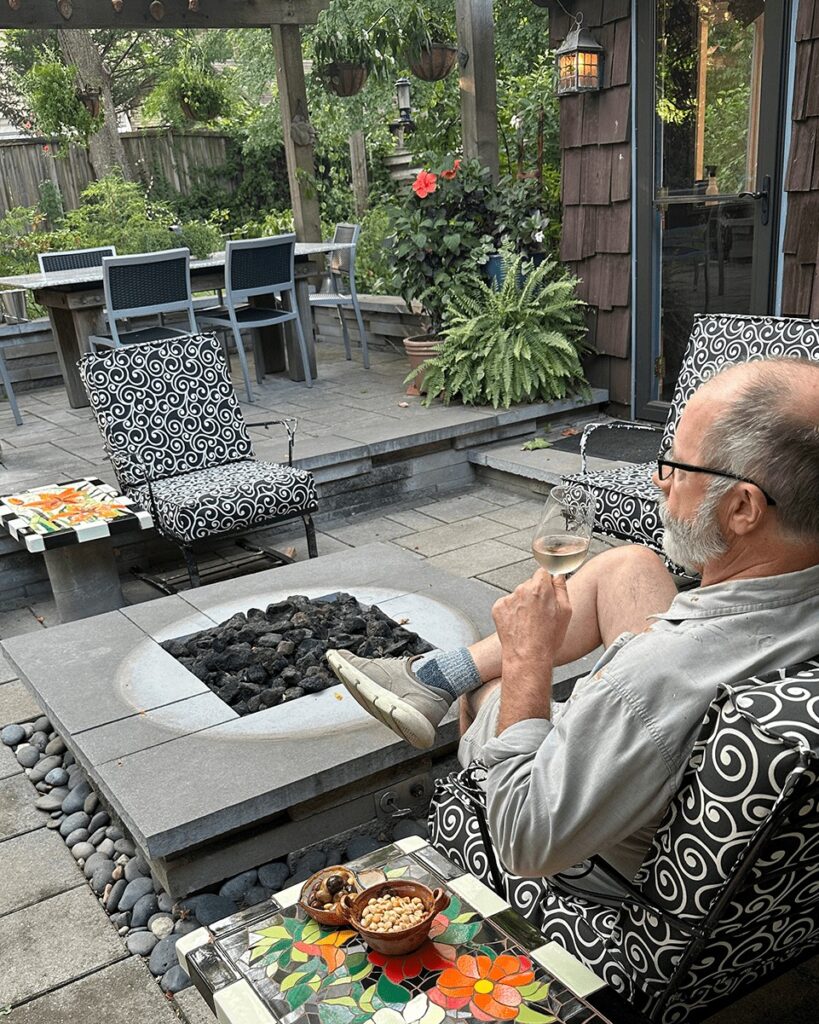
561 539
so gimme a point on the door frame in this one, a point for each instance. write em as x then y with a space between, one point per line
770 161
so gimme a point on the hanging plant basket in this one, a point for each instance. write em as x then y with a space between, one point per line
344 78
433 63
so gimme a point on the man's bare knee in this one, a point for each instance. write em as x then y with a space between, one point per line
633 585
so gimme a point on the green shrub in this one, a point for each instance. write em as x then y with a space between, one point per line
518 344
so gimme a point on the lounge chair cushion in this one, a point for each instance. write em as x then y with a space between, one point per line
227 498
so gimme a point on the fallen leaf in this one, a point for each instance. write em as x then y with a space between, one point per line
402 621
569 432
535 444
403 405
338 696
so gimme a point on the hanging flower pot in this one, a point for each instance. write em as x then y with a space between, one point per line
432 63
343 77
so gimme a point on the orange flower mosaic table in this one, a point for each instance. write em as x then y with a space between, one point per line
482 962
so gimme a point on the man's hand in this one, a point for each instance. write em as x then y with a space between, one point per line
531 623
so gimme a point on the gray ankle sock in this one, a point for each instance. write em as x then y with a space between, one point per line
454 672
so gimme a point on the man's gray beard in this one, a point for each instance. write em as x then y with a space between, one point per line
693 543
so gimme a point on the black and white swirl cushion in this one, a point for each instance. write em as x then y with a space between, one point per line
224 499
165 408
627 499
759 740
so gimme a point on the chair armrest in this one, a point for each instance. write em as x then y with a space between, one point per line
591 427
290 425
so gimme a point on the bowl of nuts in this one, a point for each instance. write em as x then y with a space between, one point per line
393 917
322 891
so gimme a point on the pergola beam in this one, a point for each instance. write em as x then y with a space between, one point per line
137 14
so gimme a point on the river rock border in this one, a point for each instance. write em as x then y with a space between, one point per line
149 920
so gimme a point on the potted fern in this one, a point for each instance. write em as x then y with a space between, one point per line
516 344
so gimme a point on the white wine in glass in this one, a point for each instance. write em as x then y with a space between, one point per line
561 539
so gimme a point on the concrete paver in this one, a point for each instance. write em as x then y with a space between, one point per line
193 1007
17 704
8 762
33 867
17 811
124 993
413 520
53 943
476 559
507 577
464 506
452 536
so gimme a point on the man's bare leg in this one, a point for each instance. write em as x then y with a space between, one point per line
612 593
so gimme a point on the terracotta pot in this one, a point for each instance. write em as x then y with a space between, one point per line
433 62
420 348
344 78
407 940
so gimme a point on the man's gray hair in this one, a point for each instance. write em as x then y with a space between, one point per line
766 436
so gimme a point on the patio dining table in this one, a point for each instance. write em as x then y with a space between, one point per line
74 300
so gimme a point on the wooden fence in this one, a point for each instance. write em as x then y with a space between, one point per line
176 156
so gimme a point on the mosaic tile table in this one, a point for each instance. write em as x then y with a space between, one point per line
71 525
272 964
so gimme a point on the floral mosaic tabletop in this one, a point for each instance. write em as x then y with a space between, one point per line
483 962
69 513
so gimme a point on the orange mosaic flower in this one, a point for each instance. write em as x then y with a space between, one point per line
424 184
489 986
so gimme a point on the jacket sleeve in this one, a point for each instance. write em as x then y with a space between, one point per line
559 792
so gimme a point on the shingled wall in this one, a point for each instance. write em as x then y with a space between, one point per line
800 286
595 137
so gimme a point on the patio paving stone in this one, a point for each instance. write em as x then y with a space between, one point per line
452 536
465 506
54 942
153 617
17 811
123 993
521 516
510 576
359 530
17 704
8 762
6 671
193 1007
33 867
476 559
414 521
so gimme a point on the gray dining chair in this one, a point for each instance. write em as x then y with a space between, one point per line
147 284
255 267
74 259
12 318
334 294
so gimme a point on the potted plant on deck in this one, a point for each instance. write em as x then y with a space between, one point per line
441 238
515 344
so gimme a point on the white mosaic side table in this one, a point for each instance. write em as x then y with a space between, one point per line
71 525
272 964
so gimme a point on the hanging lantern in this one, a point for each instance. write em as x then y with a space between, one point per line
579 62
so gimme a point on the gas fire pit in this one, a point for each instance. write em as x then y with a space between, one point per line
262 658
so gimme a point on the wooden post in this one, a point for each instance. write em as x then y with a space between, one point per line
298 132
358 165
479 101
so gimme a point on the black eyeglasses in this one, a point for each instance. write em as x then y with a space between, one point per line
665 467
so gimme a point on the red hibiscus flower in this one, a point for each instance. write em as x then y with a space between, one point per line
489 986
424 184
400 968
450 174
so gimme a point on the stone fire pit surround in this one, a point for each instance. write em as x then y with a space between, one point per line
202 791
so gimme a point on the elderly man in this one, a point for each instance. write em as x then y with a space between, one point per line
740 504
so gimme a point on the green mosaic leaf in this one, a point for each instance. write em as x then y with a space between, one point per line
298 995
341 1001
311 931
391 993
397 872
458 934
329 1014
526 1015
463 918
366 1000
535 990
453 909
291 980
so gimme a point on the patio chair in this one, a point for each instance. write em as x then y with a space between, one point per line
726 897
172 427
341 264
73 259
258 266
12 317
145 285
626 496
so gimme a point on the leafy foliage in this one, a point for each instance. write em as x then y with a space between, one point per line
518 344
190 92
55 106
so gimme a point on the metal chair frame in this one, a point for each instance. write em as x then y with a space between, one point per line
74 259
115 312
11 336
237 304
342 262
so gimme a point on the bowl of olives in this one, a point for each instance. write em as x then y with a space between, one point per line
322 891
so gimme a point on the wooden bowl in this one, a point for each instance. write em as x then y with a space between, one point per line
400 942
332 918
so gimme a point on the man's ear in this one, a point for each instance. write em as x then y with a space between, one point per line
746 509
